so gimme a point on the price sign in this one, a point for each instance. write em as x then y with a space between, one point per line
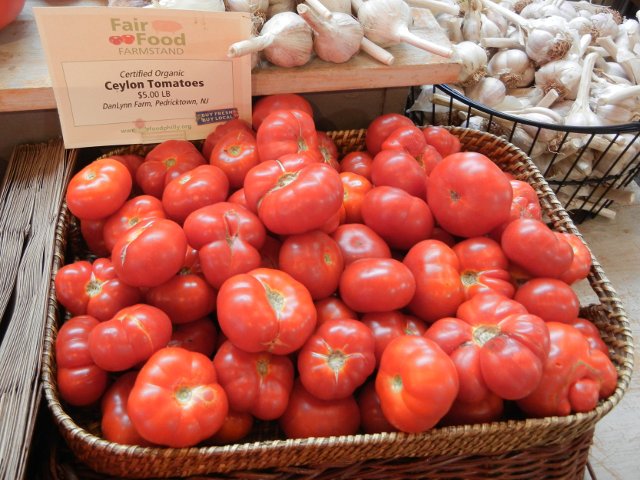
140 75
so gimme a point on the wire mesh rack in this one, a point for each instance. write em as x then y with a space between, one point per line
589 168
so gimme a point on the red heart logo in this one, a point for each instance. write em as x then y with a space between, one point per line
128 39
115 39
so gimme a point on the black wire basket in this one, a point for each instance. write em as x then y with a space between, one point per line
583 193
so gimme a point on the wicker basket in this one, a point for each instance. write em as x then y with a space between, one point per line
555 447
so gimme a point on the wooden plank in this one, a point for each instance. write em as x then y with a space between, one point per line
25 83
616 245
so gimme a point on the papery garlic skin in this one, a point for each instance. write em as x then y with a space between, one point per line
473 60
489 91
279 6
342 6
513 67
562 76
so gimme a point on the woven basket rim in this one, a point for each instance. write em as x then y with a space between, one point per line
561 221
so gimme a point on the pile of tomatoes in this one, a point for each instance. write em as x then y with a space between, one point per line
397 288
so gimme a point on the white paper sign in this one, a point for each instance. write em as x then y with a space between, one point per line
127 75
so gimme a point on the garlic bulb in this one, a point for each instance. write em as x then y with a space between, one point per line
548 8
279 6
386 22
203 5
562 76
489 91
580 113
336 36
473 60
548 41
452 25
286 39
512 67
251 6
472 22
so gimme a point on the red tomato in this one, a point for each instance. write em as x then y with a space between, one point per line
93 289
355 188
116 424
592 334
92 234
183 385
287 131
358 241
270 252
308 416
221 130
551 299
581 263
376 285
408 139
401 219
258 383
197 336
10 11
488 308
130 337
202 186
381 127
165 162
504 358
442 235
389 325
300 201
487 410
235 154
80 381
150 254
525 204
228 238
442 140
439 289
428 159
131 161
357 162
329 150
266 310
398 168
239 198
372 418
416 382
315 260
236 426
575 377
337 359
468 194
99 189
532 245
283 101
483 267
185 297
134 211
332 308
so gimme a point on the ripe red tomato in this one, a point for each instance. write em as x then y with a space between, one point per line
116 424
489 409
80 380
416 382
551 299
315 260
358 163
381 127
287 131
150 253
439 289
134 211
270 252
266 310
92 234
376 285
398 168
592 334
236 426
235 154
239 198
99 189
525 204
298 201
355 188
371 416
337 359
442 140
130 337
220 131
483 267
401 219
581 263
408 139
532 245
329 150
202 186
504 358
197 336
93 289
358 241
259 383
165 162
10 11
389 325
283 101
308 416
332 308
488 308
184 386
468 194
131 161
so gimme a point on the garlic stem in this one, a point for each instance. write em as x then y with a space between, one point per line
253 44
549 99
404 35
436 6
320 8
377 52
513 17
497 42
617 95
